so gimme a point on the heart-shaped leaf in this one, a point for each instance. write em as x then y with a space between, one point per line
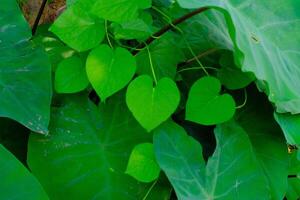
78 28
142 164
109 70
206 106
152 106
70 76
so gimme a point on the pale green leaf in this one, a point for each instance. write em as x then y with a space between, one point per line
231 172
266 42
290 125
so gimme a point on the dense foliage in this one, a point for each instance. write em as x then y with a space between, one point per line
141 99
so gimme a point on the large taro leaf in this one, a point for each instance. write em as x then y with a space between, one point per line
230 173
16 181
86 152
266 37
25 77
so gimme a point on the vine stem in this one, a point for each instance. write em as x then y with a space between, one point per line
151 64
150 189
107 35
168 27
196 68
38 17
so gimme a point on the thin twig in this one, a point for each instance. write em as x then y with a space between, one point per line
38 17
201 55
168 27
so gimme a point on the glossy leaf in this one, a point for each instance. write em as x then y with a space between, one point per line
25 72
78 28
266 43
206 106
231 172
109 70
88 149
119 10
70 76
16 181
152 106
142 164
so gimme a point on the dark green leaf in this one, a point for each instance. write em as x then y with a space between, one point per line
25 72
16 181
85 154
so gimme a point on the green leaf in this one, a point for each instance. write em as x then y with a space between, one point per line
25 72
109 70
152 106
206 106
231 172
70 76
78 28
231 76
290 125
267 139
266 43
16 181
119 10
165 56
140 28
142 164
88 149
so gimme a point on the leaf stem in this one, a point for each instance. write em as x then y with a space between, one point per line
245 101
169 26
38 17
151 64
150 189
107 35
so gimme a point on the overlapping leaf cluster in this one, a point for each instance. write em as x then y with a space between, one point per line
152 100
